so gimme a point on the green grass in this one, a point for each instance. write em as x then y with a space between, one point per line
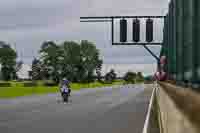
18 90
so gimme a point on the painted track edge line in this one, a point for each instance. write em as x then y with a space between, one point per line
145 128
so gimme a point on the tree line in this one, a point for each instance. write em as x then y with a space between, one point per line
8 64
78 62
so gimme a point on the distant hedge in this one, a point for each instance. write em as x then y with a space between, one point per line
30 84
50 83
5 84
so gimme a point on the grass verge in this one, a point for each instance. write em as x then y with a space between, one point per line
18 90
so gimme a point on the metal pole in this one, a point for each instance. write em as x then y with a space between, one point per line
95 20
139 43
154 55
112 30
110 17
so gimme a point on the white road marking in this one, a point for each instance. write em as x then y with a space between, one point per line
145 129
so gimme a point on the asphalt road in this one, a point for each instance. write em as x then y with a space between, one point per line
104 110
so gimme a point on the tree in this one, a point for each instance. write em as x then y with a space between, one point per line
110 76
72 60
8 61
50 58
89 59
130 77
36 70
18 65
1 78
98 69
140 77
39 71
17 68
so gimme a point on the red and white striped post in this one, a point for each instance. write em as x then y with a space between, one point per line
161 75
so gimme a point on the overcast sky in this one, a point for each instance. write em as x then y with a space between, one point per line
27 23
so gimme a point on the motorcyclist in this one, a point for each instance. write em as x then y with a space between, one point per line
65 86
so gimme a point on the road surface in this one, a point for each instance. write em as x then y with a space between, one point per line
104 110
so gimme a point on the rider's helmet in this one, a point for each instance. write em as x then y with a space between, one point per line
65 81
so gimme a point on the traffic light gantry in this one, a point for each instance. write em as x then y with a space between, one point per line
135 30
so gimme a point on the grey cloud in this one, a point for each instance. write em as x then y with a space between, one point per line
130 60
130 7
135 51
35 14
30 22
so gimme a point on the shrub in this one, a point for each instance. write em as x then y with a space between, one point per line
30 84
140 77
110 76
130 77
5 84
50 83
139 80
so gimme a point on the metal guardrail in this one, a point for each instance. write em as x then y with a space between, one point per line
181 41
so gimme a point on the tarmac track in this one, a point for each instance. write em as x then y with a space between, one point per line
119 109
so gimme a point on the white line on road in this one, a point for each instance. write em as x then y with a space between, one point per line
145 129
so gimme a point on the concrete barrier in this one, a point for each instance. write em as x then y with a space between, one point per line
178 109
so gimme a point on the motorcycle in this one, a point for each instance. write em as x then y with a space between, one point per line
65 95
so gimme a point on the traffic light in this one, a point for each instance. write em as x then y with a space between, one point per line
123 30
136 30
149 30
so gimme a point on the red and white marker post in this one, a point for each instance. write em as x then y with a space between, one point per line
161 75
